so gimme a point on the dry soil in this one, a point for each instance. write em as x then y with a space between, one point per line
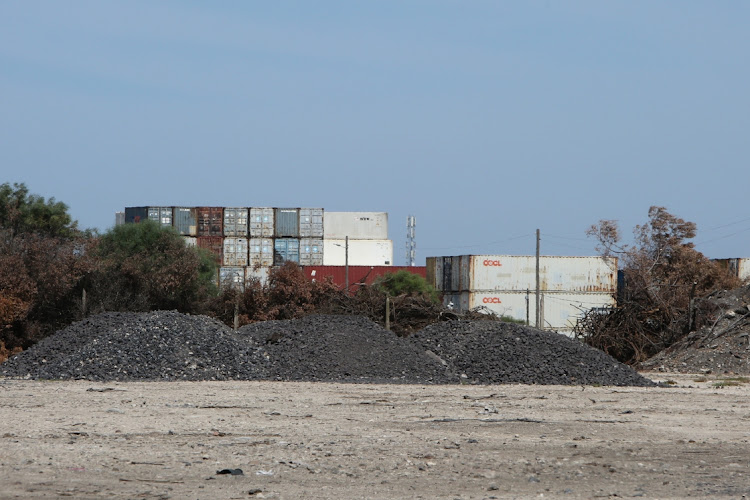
82 439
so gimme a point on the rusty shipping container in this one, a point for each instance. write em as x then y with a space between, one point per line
286 221
214 244
235 251
261 222
186 221
738 267
311 223
358 275
311 252
518 273
235 222
260 252
259 274
355 225
210 221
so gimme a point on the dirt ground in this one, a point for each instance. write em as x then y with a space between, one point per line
314 440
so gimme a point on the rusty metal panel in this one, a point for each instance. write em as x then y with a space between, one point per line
311 223
259 274
210 221
214 244
358 275
434 272
261 222
261 252
235 251
235 222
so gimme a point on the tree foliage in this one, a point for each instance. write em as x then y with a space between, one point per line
663 274
23 213
403 282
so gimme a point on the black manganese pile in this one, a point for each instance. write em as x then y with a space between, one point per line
162 345
493 352
343 349
172 346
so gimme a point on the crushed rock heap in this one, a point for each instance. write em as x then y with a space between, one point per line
720 347
171 346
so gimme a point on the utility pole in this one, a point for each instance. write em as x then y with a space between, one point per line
538 296
346 263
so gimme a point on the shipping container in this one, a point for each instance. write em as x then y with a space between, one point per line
232 277
739 267
311 252
358 275
285 249
214 244
259 274
361 252
119 218
261 222
286 221
235 251
260 252
161 215
186 221
560 310
210 221
311 223
134 215
518 273
190 241
355 225
235 222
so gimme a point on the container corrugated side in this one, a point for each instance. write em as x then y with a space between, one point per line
134 215
210 221
186 221
361 252
261 222
260 252
285 249
235 251
232 277
214 244
358 275
311 252
434 272
161 215
311 222
119 218
235 222
190 241
286 222
355 225
259 274
560 310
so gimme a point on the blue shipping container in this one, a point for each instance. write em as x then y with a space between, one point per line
285 249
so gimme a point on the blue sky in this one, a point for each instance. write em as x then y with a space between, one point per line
484 119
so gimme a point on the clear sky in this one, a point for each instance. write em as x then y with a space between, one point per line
484 119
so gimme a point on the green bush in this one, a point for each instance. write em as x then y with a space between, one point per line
406 283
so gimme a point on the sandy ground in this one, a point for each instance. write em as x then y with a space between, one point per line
302 440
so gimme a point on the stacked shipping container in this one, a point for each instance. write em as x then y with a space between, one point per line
506 285
256 238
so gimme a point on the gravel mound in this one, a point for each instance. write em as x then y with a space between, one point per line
491 352
342 349
721 347
162 345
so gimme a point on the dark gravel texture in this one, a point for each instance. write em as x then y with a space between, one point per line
342 349
166 345
492 352
161 345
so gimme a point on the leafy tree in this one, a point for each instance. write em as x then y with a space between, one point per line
663 275
405 283
145 267
22 212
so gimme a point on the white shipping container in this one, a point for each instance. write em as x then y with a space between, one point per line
235 251
361 252
311 223
261 252
518 273
235 222
311 252
232 277
257 273
355 225
261 222
560 310
190 241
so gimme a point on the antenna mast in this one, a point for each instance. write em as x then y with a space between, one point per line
411 242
